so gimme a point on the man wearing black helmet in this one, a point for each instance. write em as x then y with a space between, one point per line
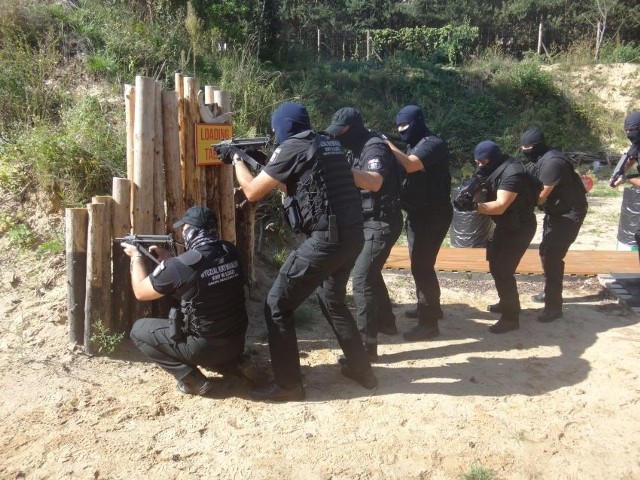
564 201
324 204
209 328
425 196
511 200
377 177
632 131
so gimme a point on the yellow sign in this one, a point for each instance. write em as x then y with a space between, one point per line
207 135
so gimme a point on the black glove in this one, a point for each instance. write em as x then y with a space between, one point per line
464 203
224 153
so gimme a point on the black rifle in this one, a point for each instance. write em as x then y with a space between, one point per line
240 146
142 242
475 189
618 172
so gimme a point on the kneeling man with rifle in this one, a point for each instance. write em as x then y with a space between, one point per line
209 327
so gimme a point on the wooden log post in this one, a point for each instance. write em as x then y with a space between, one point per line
143 162
93 308
172 170
159 214
129 115
245 235
121 299
107 240
76 224
179 81
211 174
225 182
143 195
195 186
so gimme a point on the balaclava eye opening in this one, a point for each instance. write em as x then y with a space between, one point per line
535 138
490 151
417 129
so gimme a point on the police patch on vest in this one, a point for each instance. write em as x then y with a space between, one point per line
158 269
275 154
221 273
374 164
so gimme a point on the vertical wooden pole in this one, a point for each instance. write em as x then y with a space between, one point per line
159 215
121 299
179 80
245 235
76 224
142 197
93 308
211 174
172 170
129 115
144 134
210 95
187 138
106 241
195 187
226 194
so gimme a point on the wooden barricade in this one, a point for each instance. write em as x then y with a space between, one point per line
162 182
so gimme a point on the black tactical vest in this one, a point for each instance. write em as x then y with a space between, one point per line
567 195
520 212
385 202
213 298
431 185
326 187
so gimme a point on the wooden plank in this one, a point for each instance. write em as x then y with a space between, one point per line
577 262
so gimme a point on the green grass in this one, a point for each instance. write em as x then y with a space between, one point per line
602 189
478 472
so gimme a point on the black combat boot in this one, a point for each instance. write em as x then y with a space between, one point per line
195 383
506 324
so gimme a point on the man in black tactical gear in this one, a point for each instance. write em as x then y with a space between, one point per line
322 202
426 197
209 328
564 201
510 203
376 175
632 130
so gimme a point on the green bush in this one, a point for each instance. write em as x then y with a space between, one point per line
72 161
613 52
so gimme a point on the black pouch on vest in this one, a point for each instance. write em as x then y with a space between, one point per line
292 213
176 325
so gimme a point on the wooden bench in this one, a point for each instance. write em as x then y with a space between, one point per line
577 262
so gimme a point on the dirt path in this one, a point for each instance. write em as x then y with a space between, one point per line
550 401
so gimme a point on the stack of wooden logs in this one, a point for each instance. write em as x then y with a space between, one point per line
162 181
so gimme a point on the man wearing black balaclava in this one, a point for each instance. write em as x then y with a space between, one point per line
564 201
632 131
376 174
322 202
426 197
511 201
209 328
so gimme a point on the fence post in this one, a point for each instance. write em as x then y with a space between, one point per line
76 224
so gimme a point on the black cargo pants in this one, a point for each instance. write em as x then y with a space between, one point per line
317 264
504 252
370 294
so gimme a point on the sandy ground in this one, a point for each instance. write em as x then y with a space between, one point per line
550 401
